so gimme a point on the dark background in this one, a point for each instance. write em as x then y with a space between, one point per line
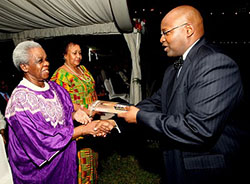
226 25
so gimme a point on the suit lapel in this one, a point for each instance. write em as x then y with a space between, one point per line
171 80
177 80
171 84
186 65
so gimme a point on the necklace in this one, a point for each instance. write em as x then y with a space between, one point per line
83 77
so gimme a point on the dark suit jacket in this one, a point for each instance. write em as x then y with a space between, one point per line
199 139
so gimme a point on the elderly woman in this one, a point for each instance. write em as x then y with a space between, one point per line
42 147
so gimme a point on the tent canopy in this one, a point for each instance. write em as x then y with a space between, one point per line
28 19
33 19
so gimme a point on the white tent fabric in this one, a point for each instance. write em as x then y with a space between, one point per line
134 41
34 19
96 29
31 18
20 15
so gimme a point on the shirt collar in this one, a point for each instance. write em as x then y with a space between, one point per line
32 86
187 51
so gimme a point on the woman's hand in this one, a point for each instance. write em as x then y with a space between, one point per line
95 128
91 114
81 117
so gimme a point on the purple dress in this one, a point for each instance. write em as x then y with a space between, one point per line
40 130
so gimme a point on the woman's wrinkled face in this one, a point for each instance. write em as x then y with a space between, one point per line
73 56
38 67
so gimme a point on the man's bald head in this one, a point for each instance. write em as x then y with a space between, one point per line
181 27
186 14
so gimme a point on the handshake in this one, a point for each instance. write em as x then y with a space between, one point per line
90 127
101 127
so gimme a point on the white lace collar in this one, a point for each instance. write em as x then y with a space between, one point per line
32 86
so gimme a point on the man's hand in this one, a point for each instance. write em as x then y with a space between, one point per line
103 127
130 114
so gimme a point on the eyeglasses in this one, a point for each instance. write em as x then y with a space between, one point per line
168 31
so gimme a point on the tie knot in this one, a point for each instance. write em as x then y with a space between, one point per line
178 64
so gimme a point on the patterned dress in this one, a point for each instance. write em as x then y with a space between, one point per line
82 92
40 122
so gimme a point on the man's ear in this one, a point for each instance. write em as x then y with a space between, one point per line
24 67
190 30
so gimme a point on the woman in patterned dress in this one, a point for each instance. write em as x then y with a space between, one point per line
78 81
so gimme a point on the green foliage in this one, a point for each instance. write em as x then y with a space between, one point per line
118 169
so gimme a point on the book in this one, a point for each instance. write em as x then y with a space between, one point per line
107 107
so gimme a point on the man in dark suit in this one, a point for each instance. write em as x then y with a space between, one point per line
194 108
